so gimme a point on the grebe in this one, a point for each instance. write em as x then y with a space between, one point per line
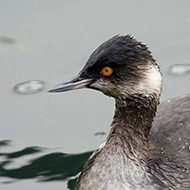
139 153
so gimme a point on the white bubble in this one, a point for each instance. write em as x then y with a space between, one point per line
179 69
29 87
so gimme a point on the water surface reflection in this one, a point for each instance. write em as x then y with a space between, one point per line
48 167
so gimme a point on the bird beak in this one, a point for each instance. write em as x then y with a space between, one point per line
76 83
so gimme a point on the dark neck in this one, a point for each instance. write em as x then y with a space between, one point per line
132 122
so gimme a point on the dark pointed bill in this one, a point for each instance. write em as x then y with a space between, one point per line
74 84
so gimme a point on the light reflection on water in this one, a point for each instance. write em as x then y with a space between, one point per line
45 168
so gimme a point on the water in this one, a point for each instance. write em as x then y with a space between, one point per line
50 41
29 87
179 69
6 40
47 167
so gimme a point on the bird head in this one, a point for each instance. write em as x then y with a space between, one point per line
121 68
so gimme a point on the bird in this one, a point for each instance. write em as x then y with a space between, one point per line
148 145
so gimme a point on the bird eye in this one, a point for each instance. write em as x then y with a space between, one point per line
106 71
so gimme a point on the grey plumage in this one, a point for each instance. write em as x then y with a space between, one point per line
165 161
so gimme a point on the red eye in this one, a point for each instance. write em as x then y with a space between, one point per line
106 71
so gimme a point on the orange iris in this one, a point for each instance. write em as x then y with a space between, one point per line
106 71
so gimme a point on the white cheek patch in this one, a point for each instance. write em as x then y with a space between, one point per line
153 80
150 83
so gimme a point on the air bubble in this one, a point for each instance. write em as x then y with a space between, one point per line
29 87
179 69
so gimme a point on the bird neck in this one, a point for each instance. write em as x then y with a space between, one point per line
132 122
